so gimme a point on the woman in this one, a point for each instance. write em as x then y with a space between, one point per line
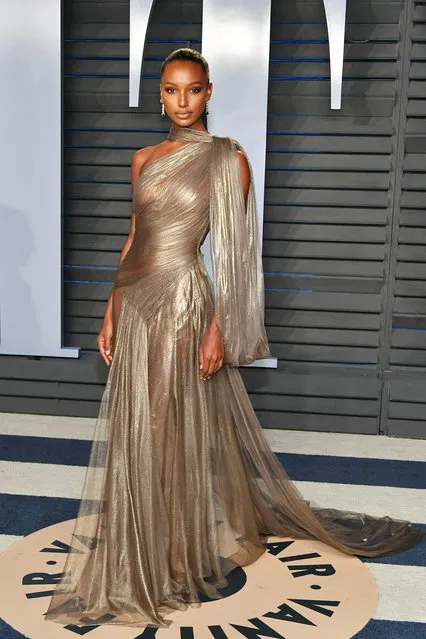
182 485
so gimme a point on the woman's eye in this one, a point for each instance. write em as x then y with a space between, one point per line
194 89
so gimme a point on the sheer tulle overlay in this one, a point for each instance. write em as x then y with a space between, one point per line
182 486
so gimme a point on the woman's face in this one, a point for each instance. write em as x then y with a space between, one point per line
184 91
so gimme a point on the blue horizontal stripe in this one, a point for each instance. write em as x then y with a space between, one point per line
300 170
415 556
299 59
105 146
107 182
271 59
25 514
45 450
295 290
354 470
177 40
96 39
168 40
299 41
299 77
87 282
121 76
378 629
90 266
375 629
124 58
300 467
273 78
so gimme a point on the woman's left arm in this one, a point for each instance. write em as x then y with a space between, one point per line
244 174
211 350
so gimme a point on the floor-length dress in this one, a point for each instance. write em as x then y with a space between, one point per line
182 485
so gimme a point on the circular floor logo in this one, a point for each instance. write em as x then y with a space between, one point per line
295 590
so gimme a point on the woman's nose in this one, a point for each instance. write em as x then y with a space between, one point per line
182 99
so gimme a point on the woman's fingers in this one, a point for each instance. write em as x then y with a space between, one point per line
102 350
219 364
213 368
104 355
205 366
108 354
209 364
205 370
105 348
201 362
108 347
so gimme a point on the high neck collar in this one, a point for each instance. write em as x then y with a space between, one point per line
187 134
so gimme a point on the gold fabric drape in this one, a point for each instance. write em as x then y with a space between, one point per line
236 258
181 485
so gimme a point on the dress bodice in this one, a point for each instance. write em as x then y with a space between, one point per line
177 200
171 205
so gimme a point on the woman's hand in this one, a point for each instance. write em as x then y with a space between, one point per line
104 340
211 352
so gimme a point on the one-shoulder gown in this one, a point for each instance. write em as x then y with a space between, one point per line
182 486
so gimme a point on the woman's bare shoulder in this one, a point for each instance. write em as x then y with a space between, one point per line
139 158
146 154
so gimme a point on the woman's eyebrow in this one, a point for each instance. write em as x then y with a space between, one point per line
190 84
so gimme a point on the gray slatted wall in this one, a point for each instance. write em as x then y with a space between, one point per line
328 181
405 387
332 224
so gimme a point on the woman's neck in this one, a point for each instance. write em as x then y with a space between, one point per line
189 133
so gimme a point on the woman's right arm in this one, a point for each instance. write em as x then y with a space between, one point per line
104 339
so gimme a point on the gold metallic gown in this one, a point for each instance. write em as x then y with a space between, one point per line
181 485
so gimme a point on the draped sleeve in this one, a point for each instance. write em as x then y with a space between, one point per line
236 258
